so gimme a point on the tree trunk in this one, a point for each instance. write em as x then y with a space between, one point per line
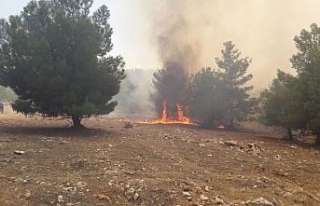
290 134
76 121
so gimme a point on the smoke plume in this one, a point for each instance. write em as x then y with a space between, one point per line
192 32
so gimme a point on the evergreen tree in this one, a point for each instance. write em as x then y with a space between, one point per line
53 57
282 104
208 98
307 64
235 77
171 85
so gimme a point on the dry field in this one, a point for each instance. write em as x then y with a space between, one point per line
150 165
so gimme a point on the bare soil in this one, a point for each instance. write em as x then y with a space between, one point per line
108 164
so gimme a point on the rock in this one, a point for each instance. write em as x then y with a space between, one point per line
260 202
202 145
209 155
131 190
69 189
198 190
81 185
206 188
19 152
231 143
104 197
27 194
218 201
186 193
254 149
136 196
60 199
204 198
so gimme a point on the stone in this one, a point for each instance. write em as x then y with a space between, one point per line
136 196
19 152
131 190
231 143
186 193
104 197
218 201
60 199
204 198
81 185
261 202
27 194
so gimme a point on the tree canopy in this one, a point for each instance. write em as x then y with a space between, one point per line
307 64
53 55
294 102
282 105
171 85
220 97
208 99
234 74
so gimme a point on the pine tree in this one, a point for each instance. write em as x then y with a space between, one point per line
208 98
53 55
307 64
282 104
235 77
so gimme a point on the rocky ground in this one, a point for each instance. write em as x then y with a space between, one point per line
44 163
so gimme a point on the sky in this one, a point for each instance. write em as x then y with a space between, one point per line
127 21
261 29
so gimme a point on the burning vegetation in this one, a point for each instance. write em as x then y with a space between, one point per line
171 94
212 98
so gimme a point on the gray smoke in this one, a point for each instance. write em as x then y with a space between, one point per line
192 32
133 98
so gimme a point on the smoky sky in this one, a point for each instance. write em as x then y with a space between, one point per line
192 32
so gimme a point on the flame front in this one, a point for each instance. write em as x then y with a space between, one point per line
164 119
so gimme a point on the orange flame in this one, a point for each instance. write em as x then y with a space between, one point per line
180 119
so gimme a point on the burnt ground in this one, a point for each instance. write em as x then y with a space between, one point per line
150 165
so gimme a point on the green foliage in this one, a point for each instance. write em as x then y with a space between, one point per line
221 97
282 104
307 64
294 102
235 77
53 57
208 99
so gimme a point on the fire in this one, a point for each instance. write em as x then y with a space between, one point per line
165 119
